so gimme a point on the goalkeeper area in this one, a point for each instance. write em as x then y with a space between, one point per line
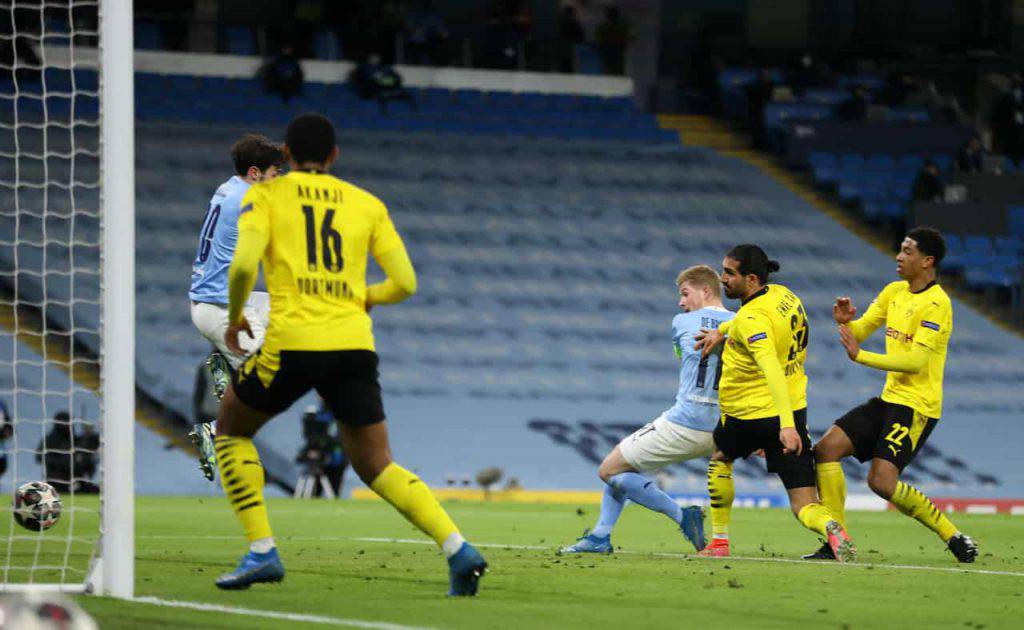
358 564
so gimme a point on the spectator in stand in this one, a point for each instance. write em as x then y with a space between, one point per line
69 460
971 157
6 432
1008 121
897 87
854 108
373 79
805 74
928 185
17 31
759 93
510 24
570 35
613 35
428 36
282 75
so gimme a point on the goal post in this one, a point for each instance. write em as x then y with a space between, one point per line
67 291
117 290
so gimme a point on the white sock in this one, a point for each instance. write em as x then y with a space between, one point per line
263 545
452 545
720 536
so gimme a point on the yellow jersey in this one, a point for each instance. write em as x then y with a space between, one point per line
924 318
317 231
772 322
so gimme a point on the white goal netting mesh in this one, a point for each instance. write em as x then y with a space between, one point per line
49 282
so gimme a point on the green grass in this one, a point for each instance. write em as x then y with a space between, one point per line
183 544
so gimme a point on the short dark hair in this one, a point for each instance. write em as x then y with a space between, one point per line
753 260
254 149
310 138
929 242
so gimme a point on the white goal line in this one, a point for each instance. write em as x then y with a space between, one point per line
275 614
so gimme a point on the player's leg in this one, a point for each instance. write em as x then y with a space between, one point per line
649 449
798 476
212 322
599 538
350 388
721 494
897 447
266 385
242 477
370 455
854 434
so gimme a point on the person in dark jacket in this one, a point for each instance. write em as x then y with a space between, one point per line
971 157
928 186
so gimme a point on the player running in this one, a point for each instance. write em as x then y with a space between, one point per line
313 232
681 433
763 391
256 160
889 431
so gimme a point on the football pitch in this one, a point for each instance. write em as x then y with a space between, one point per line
359 564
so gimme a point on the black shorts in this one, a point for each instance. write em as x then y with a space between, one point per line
886 430
347 380
739 438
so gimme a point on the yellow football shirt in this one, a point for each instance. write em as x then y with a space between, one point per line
924 318
772 321
317 232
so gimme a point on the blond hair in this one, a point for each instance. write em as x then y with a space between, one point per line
703 276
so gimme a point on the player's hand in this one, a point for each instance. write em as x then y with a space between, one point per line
707 339
849 342
791 442
231 335
843 311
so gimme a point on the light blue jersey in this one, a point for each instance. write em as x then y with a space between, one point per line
697 401
217 243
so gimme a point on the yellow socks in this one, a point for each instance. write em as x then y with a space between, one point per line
241 475
832 489
722 492
418 505
814 516
911 502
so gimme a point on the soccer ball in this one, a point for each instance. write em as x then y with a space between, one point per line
37 506
43 611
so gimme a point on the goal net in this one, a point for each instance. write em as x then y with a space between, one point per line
66 284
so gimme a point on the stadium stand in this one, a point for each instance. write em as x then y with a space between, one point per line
870 167
547 231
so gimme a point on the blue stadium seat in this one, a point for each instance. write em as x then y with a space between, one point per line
881 162
1009 245
239 40
907 115
148 35
1016 220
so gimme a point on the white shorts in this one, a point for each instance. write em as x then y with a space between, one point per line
663 442
212 322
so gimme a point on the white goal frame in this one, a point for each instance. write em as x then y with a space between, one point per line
114 574
113 570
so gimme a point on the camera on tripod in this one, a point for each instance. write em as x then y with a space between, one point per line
321 458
